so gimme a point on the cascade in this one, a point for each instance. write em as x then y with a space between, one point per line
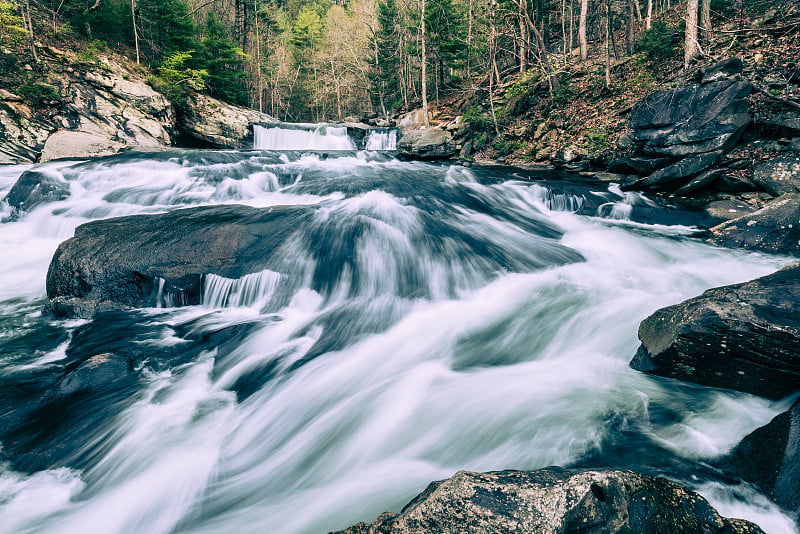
302 137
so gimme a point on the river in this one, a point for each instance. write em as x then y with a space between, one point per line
427 319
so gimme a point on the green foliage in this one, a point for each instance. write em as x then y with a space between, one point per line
478 120
307 28
12 27
176 79
660 42
223 61
598 139
89 55
505 147
165 27
479 141
39 94
564 92
524 84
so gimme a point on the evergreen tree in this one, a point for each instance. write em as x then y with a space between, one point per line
224 61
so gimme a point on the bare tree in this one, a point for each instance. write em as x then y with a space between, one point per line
705 20
582 30
630 28
690 45
649 19
424 59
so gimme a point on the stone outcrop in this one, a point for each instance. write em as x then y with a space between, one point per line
779 175
99 111
769 457
744 337
775 228
691 120
554 500
220 125
118 262
427 144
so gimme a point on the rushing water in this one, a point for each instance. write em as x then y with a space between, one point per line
426 319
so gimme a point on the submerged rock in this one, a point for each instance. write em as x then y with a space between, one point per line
36 187
555 500
118 262
744 337
769 457
774 228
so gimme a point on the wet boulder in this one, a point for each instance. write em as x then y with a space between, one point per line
555 500
207 121
99 372
769 457
775 228
744 337
139 260
35 187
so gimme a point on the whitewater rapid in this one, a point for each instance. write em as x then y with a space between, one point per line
469 320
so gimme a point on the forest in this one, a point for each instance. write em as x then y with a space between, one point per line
323 60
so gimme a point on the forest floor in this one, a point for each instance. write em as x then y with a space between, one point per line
592 120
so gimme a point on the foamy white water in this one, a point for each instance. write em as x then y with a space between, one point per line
425 320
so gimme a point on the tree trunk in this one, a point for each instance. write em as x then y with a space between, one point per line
424 59
523 39
705 21
630 29
135 31
690 47
608 43
28 21
582 30
649 19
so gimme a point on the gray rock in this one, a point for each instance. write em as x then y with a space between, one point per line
727 210
554 501
744 337
100 372
638 164
77 144
700 182
769 457
117 262
36 187
694 119
774 228
788 120
677 173
218 124
723 70
779 175
431 143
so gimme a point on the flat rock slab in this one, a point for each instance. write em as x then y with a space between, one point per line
779 175
117 262
554 500
775 228
744 337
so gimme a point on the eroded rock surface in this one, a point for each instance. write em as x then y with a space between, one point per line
554 500
744 337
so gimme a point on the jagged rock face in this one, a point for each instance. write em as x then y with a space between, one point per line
769 457
692 120
117 262
554 500
428 144
218 124
744 337
100 112
775 228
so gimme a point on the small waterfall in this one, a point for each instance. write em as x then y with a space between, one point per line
302 137
169 297
555 201
249 291
381 140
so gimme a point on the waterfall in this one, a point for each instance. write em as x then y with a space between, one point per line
249 291
381 140
302 137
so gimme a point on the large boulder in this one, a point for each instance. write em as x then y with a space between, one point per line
217 124
744 337
427 144
133 261
769 457
554 500
774 228
779 175
691 120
